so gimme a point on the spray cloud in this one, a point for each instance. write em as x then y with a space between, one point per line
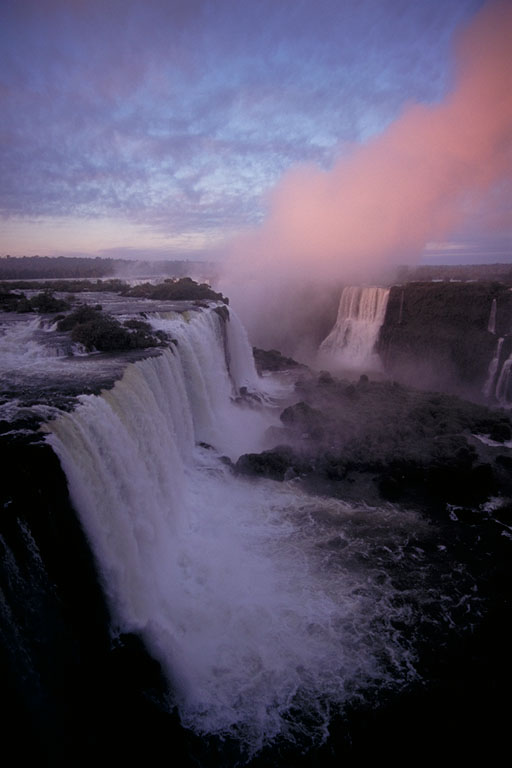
431 169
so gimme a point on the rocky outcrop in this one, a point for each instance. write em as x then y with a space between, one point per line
273 360
442 335
281 463
378 440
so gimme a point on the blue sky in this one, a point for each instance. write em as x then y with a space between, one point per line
159 128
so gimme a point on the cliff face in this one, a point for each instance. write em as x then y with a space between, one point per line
443 336
69 690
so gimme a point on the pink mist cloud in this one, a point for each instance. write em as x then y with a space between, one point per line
434 167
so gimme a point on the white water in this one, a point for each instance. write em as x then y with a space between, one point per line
255 598
491 327
499 380
504 384
351 342
24 346
493 368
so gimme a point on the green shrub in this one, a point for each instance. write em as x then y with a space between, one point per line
97 330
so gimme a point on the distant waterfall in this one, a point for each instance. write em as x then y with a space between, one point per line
491 327
493 368
504 384
352 340
498 385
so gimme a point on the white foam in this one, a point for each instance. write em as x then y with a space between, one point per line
256 599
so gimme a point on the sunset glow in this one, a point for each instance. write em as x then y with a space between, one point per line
166 129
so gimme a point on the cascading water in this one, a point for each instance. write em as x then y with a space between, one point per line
351 342
257 600
498 384
491 327
493 369
504 383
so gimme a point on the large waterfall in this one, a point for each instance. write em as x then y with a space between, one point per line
351 342
257 600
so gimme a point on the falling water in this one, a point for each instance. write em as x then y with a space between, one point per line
504 384
351 342
258 600
491 327
493 368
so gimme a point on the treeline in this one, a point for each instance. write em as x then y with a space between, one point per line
487 272
65 267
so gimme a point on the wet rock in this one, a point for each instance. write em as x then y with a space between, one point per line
223 312
273 360
276 464
325 378
301 417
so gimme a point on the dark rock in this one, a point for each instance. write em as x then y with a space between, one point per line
302 417
500 432
504 461
274 464
223 312
437 333
325 378
273 360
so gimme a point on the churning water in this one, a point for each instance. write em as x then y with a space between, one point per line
268 608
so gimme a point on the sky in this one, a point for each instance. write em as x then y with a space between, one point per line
178 129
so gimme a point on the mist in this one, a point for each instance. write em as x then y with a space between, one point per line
430 172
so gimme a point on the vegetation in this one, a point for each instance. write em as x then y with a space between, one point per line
44 303
97 330
46 267
406 444
65 286
436 334
484 272
184 289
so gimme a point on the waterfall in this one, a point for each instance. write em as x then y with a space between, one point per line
352 340
504 384
228 581
493 368
491 327
499 380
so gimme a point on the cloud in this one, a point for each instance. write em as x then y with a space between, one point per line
186 111
434 166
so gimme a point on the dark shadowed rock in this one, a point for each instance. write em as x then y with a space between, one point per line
500 432
273 360
301 417
276 464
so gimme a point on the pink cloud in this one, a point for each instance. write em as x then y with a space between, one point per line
433 167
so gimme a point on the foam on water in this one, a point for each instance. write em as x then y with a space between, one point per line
24 345
259 601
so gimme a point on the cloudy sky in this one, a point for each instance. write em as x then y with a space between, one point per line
162 127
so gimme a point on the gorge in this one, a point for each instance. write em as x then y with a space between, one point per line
187 597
